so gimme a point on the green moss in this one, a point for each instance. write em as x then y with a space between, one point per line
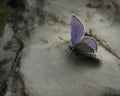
5 10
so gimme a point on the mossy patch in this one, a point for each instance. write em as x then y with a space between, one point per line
5 11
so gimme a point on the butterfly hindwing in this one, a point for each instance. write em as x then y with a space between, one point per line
91 42
83 48
77 30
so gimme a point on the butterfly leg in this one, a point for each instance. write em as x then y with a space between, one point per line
67 50
70 50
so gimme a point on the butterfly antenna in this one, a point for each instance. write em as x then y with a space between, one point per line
69 48
61 38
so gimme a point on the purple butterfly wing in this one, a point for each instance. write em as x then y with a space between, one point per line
91 42
77 30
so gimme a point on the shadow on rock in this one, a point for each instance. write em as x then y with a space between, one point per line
111 92
83 60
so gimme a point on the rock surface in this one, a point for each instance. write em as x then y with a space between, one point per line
42 67
49 71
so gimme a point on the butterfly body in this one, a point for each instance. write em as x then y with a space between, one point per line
80 44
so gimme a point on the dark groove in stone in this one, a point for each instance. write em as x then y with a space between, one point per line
17 58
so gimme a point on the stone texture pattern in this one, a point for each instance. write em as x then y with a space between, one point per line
49 71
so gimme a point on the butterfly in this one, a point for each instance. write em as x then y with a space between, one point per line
81 44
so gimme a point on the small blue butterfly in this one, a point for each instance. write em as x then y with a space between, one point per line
81 44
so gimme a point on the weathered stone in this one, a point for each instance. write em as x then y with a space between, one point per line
49 70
